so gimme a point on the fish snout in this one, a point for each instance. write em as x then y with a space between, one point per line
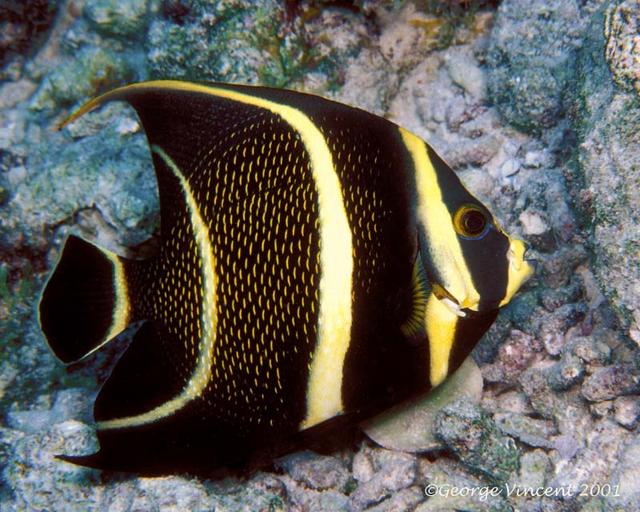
520 269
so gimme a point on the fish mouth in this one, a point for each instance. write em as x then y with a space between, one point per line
534 264
518 261
520 269
453 305
524 269
444 296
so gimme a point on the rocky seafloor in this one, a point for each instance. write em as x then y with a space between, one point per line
536 105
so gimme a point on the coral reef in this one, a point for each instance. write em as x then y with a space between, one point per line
530 60
606 116
622 47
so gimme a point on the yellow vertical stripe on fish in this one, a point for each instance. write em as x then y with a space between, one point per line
122 307
121 310
440 325
208 322
444 248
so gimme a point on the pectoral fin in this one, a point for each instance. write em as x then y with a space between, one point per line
413 327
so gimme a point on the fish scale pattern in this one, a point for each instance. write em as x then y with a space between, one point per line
359 165
258 198
170 292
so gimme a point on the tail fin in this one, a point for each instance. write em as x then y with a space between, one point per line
85 302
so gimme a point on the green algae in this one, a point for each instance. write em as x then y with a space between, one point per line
233 42
126 19
477 441
92 72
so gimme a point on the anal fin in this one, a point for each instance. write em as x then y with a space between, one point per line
144 378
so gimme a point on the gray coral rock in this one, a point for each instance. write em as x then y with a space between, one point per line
532 49
41 482
626 478
380 474
116 181
120 18
469 433
319 472
567 372
610 382
514 355
627 411
69 404
261 491
595 461
531 431
607 119
622 48
170 493
406 499
91 71
450 488
305 498
238 42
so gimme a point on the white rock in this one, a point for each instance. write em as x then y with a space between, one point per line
510 167
465 72
627 410
400 39
626 478
533 223
127 126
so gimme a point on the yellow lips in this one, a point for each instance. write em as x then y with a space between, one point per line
519 269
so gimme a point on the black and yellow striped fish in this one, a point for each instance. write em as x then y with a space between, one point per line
318 264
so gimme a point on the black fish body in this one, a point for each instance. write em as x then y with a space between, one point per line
317 265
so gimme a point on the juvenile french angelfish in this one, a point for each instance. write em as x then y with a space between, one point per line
317 265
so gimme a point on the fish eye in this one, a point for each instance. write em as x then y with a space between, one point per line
470 222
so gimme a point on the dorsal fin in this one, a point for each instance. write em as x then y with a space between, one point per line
187 121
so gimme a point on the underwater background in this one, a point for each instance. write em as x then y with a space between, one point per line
534 103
